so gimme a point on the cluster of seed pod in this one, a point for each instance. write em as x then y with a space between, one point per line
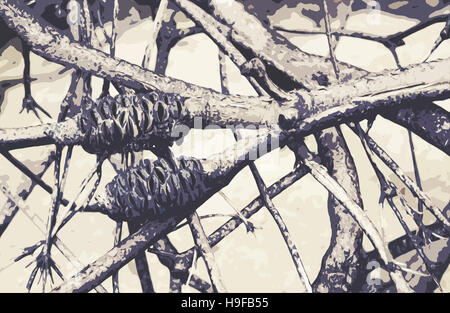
115 124
152 188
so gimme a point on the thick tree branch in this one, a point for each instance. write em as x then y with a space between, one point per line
47 42
275 50
259 39
318 109
341 262
52 45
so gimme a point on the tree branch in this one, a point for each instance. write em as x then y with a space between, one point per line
202 244
318 109
426 119
341 262
321 175
117 257
248 33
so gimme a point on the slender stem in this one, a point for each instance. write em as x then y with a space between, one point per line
386 191
416 171
37 221
154 33
330 39
201 241
37 179
117 238
114 28
416 190
55 203
321 175
73 208
295 255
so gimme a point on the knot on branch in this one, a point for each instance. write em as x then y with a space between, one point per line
151 189
118 124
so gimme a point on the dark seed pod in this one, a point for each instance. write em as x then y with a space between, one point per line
118 124
151 189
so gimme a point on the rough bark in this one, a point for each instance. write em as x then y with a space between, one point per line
310 71
314 111
281 56
341 262
261 44
371 97
47 42
52 45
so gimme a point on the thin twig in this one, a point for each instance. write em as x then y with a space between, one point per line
321 175
330 39
114 31
416 176
36 179
201 241
416 190
154 33
295 255
117 238
39 224
388 191
8 213
53 211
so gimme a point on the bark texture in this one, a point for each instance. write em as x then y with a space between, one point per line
342 261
